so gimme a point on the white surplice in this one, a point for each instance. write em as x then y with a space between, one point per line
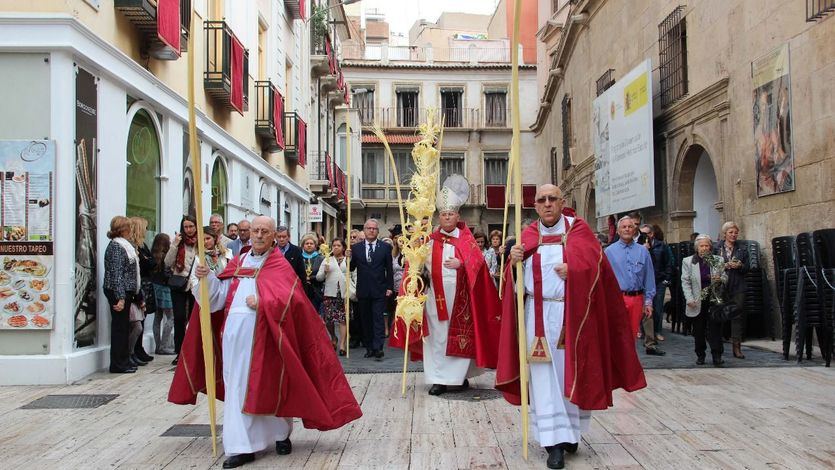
242 433
438 368
553 418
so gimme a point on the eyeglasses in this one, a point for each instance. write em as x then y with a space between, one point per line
542 199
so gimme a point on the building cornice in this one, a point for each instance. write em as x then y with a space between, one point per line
36 32
435 66
578 18
713 100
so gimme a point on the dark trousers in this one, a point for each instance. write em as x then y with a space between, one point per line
183 303
371 316
701 326
119 330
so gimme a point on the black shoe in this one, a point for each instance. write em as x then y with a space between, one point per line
700 360
570 447
176 359
238 460
138 361
556 457
341 352
368 354
143 356
437 389
283 447
129 370
354 344
717 360
655 352
379 354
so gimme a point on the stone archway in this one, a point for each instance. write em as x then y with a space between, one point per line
698 203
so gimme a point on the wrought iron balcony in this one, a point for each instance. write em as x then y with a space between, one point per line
143 15
217 78
269 115
296 8
295 138
817 9
322 54
409 117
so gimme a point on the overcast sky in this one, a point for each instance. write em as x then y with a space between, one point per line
402 14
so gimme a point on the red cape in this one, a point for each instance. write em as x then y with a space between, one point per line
599 349
294 371
481 321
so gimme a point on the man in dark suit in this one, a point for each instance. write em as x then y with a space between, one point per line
375 279
292 253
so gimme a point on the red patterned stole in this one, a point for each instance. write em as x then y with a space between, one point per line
461 333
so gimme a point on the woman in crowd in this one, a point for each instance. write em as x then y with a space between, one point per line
332 274
697 274
736 265
498 250
164 316
312 260
490 257
217 255
121 287
139 227
180 260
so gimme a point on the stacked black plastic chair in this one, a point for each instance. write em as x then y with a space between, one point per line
784 257
756 305
809 302
824 248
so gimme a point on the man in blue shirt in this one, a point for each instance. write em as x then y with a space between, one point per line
632 265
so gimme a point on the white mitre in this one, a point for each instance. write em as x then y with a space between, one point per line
454 193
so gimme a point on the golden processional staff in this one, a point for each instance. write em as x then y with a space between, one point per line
203 299
348 233
515 158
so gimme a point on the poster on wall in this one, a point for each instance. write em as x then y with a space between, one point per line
27 191
773 151
86 125
623 144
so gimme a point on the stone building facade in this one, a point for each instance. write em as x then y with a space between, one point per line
702 56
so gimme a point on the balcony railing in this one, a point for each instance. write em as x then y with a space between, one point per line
481 52
217 79
405 117
817 9
295 138
143 15
296 8
269 115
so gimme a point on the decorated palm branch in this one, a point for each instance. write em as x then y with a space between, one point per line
417 223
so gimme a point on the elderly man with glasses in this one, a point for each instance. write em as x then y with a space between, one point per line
277 362
579 345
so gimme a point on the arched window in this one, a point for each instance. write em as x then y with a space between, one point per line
188 193
220 186
143 160
265 202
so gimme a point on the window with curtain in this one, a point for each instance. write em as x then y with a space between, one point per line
495 168
452 102
373 166
143 156
407 107
405 166
452 163
495 108
364 102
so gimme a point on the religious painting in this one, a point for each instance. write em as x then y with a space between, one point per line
773 149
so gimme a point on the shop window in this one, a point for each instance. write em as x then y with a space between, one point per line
220 185
143 157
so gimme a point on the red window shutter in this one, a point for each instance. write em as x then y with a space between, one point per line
495 194
168 23
528 196
278 117
302 144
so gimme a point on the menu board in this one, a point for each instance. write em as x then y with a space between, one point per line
27 169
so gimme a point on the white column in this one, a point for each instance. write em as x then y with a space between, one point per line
62 112
207 162
171 176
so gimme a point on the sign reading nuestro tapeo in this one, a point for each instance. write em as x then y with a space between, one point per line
623 150
27 189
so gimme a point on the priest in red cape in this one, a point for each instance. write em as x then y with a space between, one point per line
580 346
462 316
273 359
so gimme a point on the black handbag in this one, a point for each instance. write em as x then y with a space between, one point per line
179 283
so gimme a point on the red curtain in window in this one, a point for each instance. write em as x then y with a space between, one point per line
236 98
301 145
168 23
278 117
329 169
528 196
331 55
495 196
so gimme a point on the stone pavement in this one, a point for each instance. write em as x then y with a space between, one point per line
737 417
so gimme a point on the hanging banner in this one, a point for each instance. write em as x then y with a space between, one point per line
86 125
623 145
315 213
773 150
26 249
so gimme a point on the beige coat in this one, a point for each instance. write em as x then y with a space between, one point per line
691 283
